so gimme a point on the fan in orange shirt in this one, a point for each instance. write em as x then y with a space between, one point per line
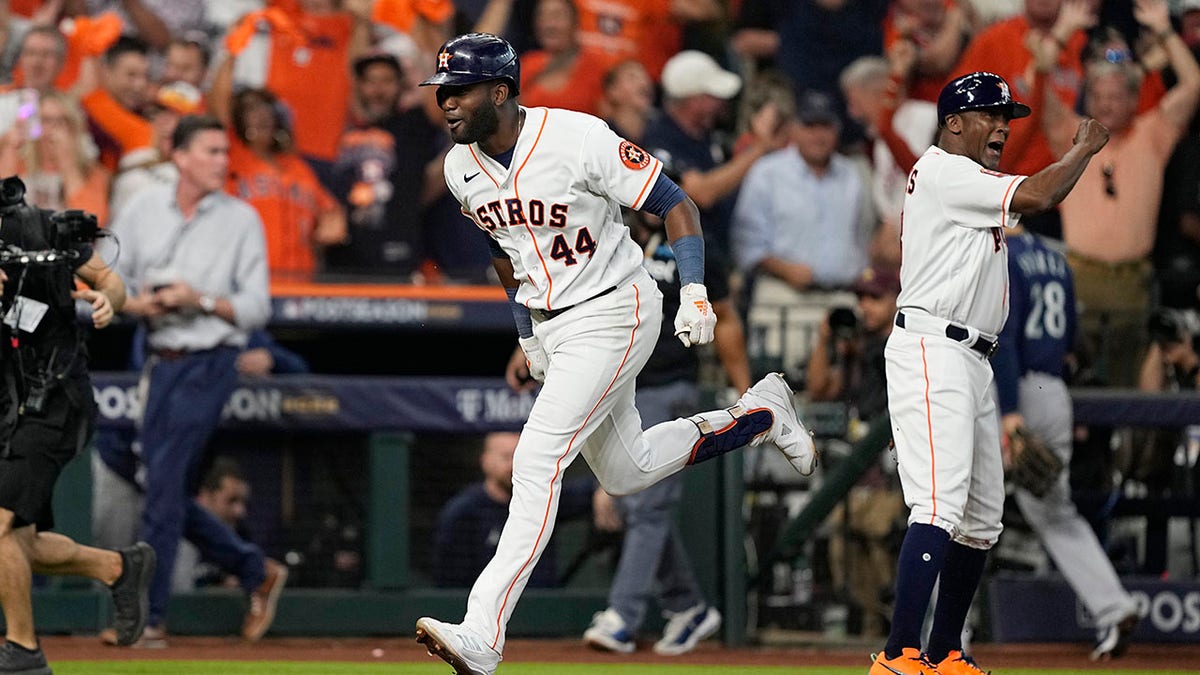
650 31
114 108
427 22
940 29
79 38
561 74
41 58
298 213
309 46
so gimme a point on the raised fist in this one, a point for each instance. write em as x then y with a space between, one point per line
1092 135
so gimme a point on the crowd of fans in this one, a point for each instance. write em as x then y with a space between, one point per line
792 124
339 150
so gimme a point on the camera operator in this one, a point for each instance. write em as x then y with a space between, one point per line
847 362
847 365
47 408
1172 363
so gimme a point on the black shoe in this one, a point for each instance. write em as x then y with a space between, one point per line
1112 641
131 593
17 659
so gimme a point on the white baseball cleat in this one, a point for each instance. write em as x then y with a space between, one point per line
684 630
456 645
787 432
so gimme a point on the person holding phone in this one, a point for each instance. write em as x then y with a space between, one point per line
50 148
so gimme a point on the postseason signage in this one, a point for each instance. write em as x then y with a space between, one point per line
357 404
389 307
1025 609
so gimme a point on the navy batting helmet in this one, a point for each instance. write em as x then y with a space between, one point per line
477 57
975 92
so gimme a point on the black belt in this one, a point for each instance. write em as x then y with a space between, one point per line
547 314
957 333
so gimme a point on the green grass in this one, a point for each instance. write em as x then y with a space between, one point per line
295 668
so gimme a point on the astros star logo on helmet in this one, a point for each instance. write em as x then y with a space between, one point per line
444 60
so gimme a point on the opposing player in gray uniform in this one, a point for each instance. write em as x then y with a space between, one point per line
1029 366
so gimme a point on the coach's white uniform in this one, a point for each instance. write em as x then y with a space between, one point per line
556 212
953 273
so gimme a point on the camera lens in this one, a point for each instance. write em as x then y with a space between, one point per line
1163 326
12 191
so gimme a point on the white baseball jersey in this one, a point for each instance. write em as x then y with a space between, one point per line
555 210
954 262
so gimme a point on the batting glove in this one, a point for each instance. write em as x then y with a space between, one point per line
695 321
535 357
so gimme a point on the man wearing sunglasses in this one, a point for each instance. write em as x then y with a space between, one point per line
1109 220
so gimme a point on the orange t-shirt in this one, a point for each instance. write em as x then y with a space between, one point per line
1000 49
288 198
922 87
1119 227
91 196
85 36
400 14
638 29
117 130
584 86
24 8
309 71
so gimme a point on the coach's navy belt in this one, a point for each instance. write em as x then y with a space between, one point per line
957 333
547 314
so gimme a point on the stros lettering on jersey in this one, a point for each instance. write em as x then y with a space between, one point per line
556 209
955 210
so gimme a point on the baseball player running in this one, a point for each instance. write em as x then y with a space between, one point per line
1029 364
952 304
547 187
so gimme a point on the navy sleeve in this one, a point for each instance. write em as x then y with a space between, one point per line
663 196
1006 363
287 362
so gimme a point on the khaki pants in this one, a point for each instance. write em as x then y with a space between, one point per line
859 554
1114 303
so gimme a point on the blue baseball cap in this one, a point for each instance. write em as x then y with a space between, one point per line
978 91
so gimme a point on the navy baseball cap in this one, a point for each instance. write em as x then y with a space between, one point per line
817 107
977 91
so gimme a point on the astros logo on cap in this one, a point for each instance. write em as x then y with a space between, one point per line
444 60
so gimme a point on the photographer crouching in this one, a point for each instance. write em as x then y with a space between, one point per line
1172 363
847 365
847 362
47 416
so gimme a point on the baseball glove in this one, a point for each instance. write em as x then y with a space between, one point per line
1035 467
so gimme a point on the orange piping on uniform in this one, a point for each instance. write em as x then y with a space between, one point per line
1004 204
929 423
718 432
558 463
638 202
532 236
531 149
481 166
